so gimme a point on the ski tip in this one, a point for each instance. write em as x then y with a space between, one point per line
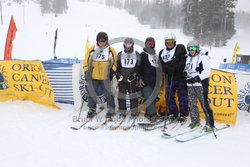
180 141
90 128
74 128
113 128
166 134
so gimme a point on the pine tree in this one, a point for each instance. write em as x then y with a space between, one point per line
60 6
46 6
209 21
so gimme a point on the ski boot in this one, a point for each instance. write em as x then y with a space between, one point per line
91 113
207 128
110 114
181 119
192 125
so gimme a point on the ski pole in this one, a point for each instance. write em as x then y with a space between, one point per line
168 98
78 119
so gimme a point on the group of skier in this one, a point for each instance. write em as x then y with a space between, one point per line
187 76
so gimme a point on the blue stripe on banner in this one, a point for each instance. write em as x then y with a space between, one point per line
62 88
62 97
64 94
60 77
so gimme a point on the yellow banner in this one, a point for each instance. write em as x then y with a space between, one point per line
25 80
223 97
236 49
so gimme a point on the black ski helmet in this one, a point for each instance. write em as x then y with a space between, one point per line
128 41
102 35
150 39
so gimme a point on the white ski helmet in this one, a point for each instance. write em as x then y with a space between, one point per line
170 36
194 43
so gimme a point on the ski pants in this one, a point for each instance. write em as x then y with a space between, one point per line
125 87
205 84
196 93
150 102
94 87
181 88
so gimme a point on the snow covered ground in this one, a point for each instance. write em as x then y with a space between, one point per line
36 135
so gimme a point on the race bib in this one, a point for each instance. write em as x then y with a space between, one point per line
128 60
168 55
101 55
153 59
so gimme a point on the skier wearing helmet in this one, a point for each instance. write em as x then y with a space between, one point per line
99 66
128 62
173 59
149 69
198 70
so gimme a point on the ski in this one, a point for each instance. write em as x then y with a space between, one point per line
161 124
196 134
99 124
143 124
130 125
87 120
176 126
150 128
176 133
118 123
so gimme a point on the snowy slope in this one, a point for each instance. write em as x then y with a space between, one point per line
35 135
35 36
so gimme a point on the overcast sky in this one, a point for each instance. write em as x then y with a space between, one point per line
243 5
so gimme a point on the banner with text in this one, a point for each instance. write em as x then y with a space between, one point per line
223 97
25 80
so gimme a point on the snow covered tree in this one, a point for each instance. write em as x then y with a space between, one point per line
46 6
191 19
209 21
60 6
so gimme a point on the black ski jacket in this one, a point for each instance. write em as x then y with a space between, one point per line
175 66
147 71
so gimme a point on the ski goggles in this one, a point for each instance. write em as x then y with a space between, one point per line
192 48
101 40
169 41
128 45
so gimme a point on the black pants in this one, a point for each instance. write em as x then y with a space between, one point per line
125 87
205 84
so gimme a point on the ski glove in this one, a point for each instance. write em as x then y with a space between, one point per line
119 77
131 77
194 80
185 74
200 68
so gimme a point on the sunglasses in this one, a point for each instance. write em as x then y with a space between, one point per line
192 48
169 41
